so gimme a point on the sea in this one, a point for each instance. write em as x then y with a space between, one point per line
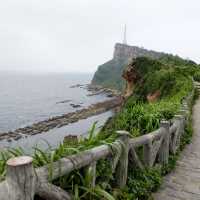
26 98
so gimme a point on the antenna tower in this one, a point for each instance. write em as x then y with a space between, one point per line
125 40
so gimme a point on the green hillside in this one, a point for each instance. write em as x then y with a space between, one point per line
110 73
172 77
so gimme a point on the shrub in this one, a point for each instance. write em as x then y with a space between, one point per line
197 76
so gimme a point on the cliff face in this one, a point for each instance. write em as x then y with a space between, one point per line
109 74
131 77
126 52
136 74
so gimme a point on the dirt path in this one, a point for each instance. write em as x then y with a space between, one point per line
184 182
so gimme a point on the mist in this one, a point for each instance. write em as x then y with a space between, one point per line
78 35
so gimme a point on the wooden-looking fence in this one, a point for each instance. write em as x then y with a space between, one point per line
23 182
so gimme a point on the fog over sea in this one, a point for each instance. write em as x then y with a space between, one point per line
27 98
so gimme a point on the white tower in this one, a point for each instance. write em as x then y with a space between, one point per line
125 40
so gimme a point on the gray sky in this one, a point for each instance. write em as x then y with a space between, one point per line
78 35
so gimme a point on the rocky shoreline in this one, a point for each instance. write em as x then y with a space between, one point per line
97 89
63 120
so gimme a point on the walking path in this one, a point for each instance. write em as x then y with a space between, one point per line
184 182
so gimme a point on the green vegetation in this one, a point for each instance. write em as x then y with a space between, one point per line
197 76
137 115
141 183
172 76
109 74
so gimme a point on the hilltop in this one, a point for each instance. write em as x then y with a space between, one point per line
109 74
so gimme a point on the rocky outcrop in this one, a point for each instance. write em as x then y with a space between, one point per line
131 76
127 52
97 90
109 74
63 120
153 97
71 140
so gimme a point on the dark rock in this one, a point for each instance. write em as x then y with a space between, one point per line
76 86
110 95
71 139
17 137
65 101
62 120
75 105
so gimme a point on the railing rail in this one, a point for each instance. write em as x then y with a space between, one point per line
23 182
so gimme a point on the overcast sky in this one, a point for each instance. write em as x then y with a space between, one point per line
78 35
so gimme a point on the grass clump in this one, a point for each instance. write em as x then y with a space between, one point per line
140 184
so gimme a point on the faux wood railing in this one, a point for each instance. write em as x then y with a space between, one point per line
23 182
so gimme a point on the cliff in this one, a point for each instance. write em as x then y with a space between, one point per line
109 74
125 51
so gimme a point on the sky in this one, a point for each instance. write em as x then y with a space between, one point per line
78 35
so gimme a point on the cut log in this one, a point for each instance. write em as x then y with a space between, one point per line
66 165
144 139
3 191
49 191
20 178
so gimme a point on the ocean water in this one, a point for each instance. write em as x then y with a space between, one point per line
55 136
28 98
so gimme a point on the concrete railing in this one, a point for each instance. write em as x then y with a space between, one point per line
23 182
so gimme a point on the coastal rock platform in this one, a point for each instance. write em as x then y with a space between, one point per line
63 120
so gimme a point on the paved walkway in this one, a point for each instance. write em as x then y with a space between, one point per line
184 182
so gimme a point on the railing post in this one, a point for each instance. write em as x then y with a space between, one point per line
122 167
163 155
180 130
20 178
147 153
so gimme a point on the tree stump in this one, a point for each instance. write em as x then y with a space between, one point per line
20 178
